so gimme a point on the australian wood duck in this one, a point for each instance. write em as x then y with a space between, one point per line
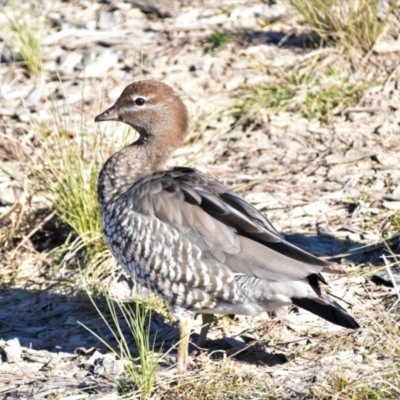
187 237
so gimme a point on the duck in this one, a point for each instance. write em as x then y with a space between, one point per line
191 240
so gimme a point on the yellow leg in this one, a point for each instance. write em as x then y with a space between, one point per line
207 321
184 337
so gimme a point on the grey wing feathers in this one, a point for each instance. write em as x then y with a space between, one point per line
224 226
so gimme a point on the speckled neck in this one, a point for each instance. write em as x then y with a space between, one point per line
161 119
130 164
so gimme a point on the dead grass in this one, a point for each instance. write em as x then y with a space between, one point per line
351 24
324 102
64 175
68 183
25 30
220 383
317 92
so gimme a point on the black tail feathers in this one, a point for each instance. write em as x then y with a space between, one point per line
329 310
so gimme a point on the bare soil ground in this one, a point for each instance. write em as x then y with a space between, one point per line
322 165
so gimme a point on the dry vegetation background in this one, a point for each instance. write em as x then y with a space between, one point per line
295 104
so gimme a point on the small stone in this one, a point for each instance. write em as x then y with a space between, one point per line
392 205
70 63
358 358
12 350
234 82
354 237
201 65
386 47
107 60
9 192
34 96
106 20
356 116
92 360
271 13
107 365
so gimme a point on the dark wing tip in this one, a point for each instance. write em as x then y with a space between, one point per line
331 312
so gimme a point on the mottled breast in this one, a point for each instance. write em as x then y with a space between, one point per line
164 260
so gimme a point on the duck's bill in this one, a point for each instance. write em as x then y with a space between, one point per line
110 114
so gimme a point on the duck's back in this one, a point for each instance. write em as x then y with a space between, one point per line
202 247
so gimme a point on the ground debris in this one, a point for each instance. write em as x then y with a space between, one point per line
330 184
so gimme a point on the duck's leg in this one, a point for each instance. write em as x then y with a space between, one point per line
207 321
184 338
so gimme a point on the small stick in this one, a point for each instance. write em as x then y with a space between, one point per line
370 110
32 232
10 210
389 271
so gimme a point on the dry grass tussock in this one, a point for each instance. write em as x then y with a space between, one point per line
307 135
24 29
355 25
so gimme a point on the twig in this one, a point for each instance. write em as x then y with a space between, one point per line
370 110
32 232
10 210
286 37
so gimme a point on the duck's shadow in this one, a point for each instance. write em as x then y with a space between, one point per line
254 353
64 323
280 39
248 37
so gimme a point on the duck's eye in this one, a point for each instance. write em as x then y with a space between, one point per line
139 101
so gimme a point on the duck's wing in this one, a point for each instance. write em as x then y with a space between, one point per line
224 226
